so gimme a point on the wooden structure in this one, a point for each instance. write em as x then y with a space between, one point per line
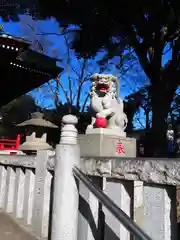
22 69
10 144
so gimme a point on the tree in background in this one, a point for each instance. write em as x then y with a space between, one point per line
150 28
174 114
132 104
143 114
69 93
14 113
72 85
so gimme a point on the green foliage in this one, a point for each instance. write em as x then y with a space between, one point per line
148 27
16 112
20 110
55 116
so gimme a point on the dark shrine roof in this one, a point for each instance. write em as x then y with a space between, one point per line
22 69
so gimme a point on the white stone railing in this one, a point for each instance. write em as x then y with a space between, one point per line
25 188
144 189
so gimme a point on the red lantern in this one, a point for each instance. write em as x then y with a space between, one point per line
100 123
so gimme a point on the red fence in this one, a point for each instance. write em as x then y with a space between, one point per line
8 144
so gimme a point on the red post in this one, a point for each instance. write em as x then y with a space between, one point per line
18 141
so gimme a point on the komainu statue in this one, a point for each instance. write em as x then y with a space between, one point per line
106 106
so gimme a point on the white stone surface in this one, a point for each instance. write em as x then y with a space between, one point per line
69 131
150 170
40 216
10 189
160 212
152 203
18 160
106 131
138 203
3 176
88 213
19 193
66 196
119 192
46 209
28 196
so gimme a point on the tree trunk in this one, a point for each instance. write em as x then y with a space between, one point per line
160 107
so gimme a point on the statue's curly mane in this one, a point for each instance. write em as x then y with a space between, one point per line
108 79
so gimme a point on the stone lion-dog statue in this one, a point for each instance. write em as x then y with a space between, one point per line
106 104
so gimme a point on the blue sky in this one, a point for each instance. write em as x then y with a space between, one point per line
51 26
131 81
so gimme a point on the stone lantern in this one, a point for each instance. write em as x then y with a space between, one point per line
36 133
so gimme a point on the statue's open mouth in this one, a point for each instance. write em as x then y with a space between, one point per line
103 87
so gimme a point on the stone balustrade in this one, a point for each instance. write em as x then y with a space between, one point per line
144 188
43 194
25 189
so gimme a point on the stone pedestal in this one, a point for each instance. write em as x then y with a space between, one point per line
104 144
106 131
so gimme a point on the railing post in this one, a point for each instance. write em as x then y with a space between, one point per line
40 213
66 196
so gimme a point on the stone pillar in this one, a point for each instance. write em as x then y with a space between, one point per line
66 196
160 220
42 188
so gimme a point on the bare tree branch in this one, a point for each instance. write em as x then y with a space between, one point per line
56 99
80 84
74 70
59 34
137 119
63 89
85 102
140 123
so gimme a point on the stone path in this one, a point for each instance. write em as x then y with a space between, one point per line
9 230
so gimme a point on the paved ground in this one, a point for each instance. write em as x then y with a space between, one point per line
9 230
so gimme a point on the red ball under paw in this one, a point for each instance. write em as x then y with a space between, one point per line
100 123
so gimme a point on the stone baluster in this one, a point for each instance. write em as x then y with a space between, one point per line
66 196
41 203
3 175
121 193
10 189
19 193
28 196
138 203
159 202
89 212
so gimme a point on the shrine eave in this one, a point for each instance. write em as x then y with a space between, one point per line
21 55
23 69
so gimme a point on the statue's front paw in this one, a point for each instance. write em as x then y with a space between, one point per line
90 127
112 114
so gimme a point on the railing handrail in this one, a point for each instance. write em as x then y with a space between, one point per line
124 219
